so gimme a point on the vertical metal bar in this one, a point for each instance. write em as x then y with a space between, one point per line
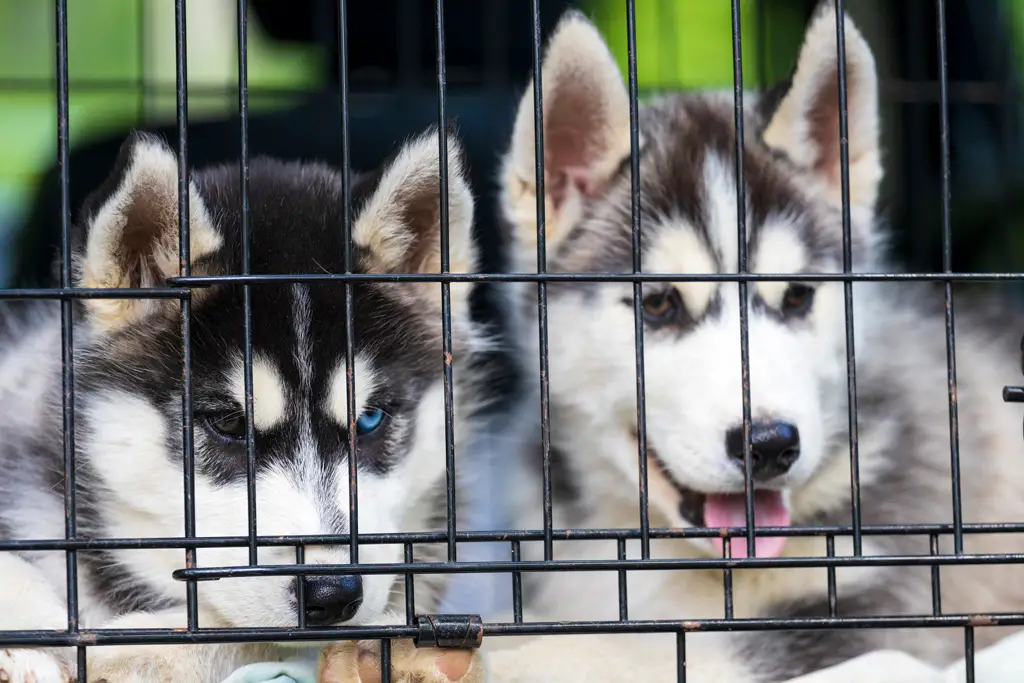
638 296
727 577
67 325
188 453
410 596
385 661
542 292
933 547
741 236
623 601
851 358
350 365
517 586
969 653
446 299
300 586
250 423
830 548
681 657
947 267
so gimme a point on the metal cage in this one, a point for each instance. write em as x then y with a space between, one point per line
468 630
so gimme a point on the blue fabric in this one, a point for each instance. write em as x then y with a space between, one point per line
294 671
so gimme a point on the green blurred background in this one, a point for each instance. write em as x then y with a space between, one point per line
122 73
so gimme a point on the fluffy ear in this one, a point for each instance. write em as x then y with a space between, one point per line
400 224
130 232
586 134
805 126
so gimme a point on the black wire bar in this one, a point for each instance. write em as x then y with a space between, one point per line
67 328
103 637
181 287
542 293
243 169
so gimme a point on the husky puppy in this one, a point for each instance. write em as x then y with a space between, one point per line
128 404
801 464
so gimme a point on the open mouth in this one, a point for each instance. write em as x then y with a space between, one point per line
715 510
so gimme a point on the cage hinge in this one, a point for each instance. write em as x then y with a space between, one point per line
1016 394
449 631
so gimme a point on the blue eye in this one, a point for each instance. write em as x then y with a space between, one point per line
370 421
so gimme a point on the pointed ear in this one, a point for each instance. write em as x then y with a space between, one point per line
129 234
586 135
400 224
805 126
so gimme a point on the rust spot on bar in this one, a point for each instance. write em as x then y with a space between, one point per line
981 620
447 358
691 625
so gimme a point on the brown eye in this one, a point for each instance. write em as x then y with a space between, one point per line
661 307
797 300
231 426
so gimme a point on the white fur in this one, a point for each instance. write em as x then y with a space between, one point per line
270 393
337 398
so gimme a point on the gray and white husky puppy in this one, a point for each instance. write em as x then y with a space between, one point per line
801 465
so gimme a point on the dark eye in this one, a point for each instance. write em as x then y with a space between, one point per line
230 425
797 300
370 420
662 307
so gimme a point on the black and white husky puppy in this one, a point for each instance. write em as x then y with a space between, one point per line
128 402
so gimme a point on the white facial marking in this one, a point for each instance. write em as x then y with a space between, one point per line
720 204
779 250
677 249
269 391
366 382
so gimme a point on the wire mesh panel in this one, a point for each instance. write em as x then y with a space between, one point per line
654 282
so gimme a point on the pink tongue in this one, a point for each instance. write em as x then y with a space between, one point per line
729 510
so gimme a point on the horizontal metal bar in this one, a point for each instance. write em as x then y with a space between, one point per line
213 635
97 293
892 90
216 573
211 280
561 535
179 287
292 634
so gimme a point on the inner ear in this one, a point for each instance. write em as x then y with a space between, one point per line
424 215
805 125
399 226
147 244
823 122
129 236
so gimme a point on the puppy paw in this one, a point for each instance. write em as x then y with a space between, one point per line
32 666
359 662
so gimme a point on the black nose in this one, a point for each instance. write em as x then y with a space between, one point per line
775 446
331 599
